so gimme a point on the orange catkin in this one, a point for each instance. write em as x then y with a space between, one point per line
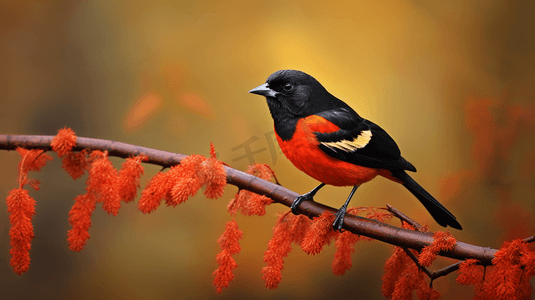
80 220
278 247
21 208
129 175
229 243
102 182
442 241
63 142
216 177
154 192
319 234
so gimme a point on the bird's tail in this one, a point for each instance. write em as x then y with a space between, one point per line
437 210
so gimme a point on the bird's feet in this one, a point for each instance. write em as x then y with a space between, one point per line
339 221
305 197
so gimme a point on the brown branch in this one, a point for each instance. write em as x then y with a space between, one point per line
358 225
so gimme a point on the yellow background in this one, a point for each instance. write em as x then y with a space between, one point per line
174 75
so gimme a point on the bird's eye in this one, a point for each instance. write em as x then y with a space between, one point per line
288 87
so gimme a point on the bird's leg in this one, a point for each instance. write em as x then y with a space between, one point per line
339 221
305 197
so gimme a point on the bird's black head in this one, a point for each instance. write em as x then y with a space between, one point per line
294 94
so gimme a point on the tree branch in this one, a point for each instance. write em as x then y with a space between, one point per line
435 274
432 275
404 217
358 225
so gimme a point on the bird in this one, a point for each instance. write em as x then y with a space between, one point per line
326 139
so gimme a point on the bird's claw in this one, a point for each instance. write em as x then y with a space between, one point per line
298 200
339 221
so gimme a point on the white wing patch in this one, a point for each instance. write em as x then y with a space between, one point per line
357 143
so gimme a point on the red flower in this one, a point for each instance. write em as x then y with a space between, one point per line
508 280
299 226
21 208
394 266
320 233
248 202
229 243
63 142
185 179
80 220
278 247
442 241
75 164
469 272
425 292
102 182
345 246
128 181
409 280
154 192
216 177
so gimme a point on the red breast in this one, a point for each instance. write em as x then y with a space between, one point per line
304 152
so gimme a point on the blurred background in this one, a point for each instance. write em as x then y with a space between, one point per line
451 81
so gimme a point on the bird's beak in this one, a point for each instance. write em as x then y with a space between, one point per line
263 90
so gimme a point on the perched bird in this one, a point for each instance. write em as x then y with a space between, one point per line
325 138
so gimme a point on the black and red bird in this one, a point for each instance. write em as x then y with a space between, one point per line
325 138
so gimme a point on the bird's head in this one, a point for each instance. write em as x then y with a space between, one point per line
292 93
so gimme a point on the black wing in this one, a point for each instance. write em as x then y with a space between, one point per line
360 142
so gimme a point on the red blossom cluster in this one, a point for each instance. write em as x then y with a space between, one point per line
248 204
183 181
280 245
442 241
508 277
75 163
403 276
21 208
105 185
229 246
312 236
345 246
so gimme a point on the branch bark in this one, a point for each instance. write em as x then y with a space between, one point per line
357 225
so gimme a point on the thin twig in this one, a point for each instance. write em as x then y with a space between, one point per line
405 218
357 225
447 270
435 274
415 259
